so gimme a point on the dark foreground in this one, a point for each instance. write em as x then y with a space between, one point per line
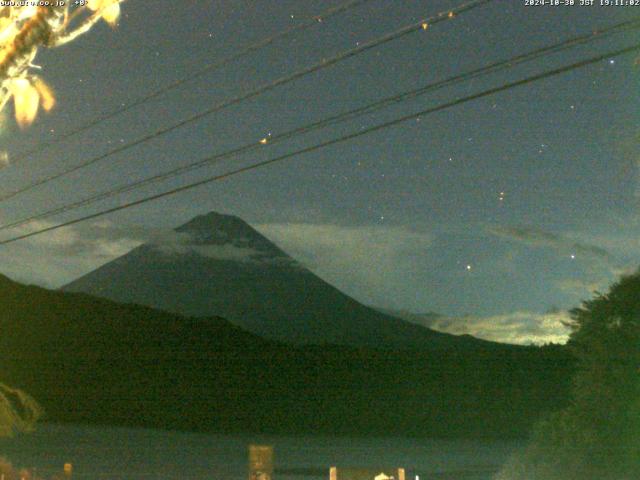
122 453
97 362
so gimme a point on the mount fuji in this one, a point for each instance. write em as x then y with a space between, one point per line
219 265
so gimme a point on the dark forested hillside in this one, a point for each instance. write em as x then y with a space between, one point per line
92 360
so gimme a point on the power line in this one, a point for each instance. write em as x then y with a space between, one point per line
443 16
405 118
345 116
199 73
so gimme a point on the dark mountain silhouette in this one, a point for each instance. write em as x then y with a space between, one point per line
91 360
219 265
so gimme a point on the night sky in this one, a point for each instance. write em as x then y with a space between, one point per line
501 212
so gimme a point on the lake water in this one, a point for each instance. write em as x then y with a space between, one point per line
122 453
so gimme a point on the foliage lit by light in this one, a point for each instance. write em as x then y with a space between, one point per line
25 29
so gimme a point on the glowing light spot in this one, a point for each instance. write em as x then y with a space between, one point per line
424 25
4 159
266 139
451 15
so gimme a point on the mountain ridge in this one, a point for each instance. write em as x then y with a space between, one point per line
220 265
91 360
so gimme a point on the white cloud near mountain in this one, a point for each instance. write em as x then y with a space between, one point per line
364 261
227 251
57 257
602 258
565 244
317 243
517 327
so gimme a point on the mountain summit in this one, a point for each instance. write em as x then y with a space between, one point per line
219 265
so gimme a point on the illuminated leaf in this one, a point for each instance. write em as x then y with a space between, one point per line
26 99
109 9
47 99
17 56
111 14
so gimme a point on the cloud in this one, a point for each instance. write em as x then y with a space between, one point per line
518 327
227 251
583 287
90 240
106 240
375 264
234 249
59 256
623 244
540 238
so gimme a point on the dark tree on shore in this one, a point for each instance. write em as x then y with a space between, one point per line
598 435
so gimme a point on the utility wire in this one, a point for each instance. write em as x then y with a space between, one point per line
345 116
397 121
443 16
199 73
